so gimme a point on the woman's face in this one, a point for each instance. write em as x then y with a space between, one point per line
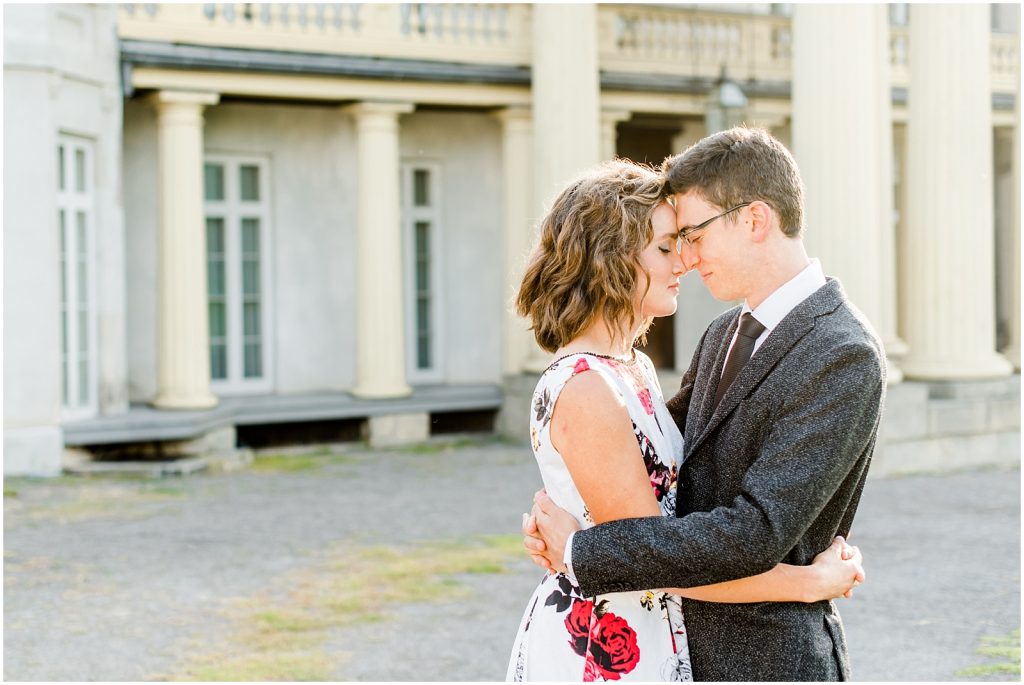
663 264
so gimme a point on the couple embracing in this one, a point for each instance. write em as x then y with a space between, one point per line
702 538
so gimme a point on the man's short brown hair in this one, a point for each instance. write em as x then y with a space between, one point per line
741 165
586 261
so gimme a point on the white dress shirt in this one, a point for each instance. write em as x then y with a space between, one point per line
770 314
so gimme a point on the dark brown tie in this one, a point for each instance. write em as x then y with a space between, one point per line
750 329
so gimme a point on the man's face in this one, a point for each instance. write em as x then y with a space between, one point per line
720 251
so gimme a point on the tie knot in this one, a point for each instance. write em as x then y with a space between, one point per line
750 327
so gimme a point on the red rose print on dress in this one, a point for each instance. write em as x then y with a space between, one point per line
578 625
581 366
645 399
613 647
604 639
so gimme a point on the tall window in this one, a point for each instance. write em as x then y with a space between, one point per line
237 227
76 236
421 217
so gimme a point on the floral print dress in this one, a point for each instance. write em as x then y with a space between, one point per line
618 636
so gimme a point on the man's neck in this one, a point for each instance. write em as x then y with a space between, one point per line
785 263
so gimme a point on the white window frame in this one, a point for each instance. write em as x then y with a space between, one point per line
71 202
410 215
232 210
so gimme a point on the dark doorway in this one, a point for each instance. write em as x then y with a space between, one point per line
649 141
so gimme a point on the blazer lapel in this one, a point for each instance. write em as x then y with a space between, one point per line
779 342
707 380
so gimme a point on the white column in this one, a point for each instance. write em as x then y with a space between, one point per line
183 368
1012 351
610 119
519 222
844 148
949 249
895 347
380 330
565 95
566 105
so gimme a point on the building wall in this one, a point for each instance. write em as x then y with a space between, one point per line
311 151
467 147
312 232
60 77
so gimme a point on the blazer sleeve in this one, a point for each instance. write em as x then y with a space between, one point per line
826 424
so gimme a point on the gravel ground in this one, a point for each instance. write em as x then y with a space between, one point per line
111 579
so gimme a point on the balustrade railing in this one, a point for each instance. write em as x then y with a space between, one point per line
694 42
647 39
476 33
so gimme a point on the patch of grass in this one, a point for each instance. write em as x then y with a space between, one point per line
439 445
282 637
10 492
274 666
1004 647
287 463
100 500
164 491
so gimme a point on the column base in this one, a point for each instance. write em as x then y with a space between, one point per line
894 374
895 347
381 392
994 366
182 401
1013 355
513 420
394 430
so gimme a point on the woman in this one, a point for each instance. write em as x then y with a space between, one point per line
607 263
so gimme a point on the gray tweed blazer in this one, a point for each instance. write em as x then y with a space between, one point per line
770 475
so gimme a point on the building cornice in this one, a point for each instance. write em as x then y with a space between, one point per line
136 53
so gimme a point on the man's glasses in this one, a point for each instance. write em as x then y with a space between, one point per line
685 234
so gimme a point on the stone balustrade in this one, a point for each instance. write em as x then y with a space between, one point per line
646 39
691 42
484 33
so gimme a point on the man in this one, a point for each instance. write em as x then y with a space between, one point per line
779 409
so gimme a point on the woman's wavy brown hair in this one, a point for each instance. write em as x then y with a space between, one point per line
587 258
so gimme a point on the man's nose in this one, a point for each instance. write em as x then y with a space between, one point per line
689 256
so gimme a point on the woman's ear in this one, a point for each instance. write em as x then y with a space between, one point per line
760 220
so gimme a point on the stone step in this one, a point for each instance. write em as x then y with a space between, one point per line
940 454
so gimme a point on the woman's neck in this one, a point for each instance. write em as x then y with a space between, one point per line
598 339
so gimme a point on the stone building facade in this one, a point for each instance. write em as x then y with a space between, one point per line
234 224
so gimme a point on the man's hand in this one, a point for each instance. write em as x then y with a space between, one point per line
533 544
554 525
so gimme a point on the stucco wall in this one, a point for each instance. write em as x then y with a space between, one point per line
313 187
312 250
60 77
468 149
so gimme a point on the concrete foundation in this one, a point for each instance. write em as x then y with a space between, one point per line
393 430
34 451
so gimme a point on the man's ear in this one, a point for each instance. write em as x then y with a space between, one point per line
760 220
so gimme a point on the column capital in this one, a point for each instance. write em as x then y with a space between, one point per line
515 114
613 115
182 97
368 108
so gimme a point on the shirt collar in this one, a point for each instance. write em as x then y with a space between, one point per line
794 291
